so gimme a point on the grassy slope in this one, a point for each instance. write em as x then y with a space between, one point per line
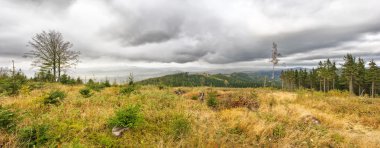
78 121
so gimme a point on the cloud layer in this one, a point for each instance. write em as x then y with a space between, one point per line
186 33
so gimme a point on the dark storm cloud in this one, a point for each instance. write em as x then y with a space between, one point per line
217 42
215 32
55 5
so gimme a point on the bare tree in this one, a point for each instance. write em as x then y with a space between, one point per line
274 60
51 52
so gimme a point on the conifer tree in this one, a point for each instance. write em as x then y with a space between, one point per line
361 75
349 71
373 74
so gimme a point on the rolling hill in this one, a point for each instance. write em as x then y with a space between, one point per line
217 80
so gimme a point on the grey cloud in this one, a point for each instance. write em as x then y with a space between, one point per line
55 5
184 31
216 44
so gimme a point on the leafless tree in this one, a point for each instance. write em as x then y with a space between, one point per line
51 52
275 59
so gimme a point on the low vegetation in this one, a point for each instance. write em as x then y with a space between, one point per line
85 92
241 117
7 119
127 117
54 97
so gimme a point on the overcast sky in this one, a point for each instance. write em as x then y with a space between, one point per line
151 37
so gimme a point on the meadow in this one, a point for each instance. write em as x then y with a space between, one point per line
224 117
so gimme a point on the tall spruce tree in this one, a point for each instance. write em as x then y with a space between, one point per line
360 65
349 71
373 76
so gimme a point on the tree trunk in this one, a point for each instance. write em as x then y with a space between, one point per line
324 84
265 81
272 76
373 89
59 69
333 84
299 83
54 67
311 84
328 85
351 87
13 78
282 84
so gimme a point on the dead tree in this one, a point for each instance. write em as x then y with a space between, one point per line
274 60
50 51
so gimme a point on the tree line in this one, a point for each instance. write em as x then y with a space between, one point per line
352 76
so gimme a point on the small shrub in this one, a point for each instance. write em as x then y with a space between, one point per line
278 131
194 98
272 103
25 89
127 90
67 80
236 130
34 136
7 119
212 101
36 85
96 86
54 97
106 83
10 83
128 117
253 95
161 87
181 126
337 138
85 92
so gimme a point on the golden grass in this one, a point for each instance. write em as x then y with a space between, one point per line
345 121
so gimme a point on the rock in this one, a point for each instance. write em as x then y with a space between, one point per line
179 92
253 106
201 96
311 119
118 131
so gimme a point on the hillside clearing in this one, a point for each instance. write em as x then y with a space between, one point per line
282 119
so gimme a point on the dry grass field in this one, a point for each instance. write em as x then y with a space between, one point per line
235 118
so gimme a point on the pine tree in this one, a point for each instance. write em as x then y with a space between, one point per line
373 74
361 75
334 75
349 71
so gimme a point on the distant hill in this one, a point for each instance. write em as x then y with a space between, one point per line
217 80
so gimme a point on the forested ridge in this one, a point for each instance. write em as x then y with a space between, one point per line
216 80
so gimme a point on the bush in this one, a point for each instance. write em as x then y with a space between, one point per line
67 80
54 97
127 90
34 136
161 87
236 130
11 85
106 83
212 101
278 132
7 119
36 85
85 92
180 126
127 117
96 86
